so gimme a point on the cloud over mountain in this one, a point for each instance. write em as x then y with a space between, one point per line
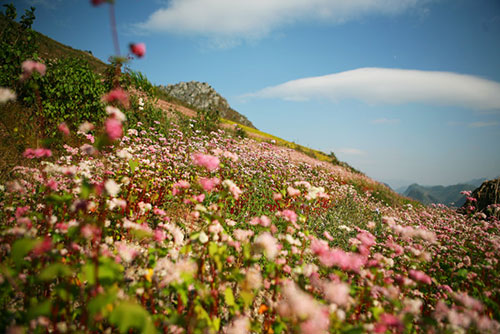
392 86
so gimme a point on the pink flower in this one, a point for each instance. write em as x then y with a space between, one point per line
327 235
289 215
209 184
179 185
319 247
160 235
37 153
341 259
277 196
386 322
118 95
233 188
139 49
63 128
114 128
43 247
292 192
268 243
366 238
420 276
337 293
30 66
210 162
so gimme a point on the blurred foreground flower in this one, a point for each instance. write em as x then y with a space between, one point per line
139 49
6 95
30 66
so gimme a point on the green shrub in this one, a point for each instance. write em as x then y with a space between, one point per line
17 43
70 92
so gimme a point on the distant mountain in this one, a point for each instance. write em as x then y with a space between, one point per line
447 195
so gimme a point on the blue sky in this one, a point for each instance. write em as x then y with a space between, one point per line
403 90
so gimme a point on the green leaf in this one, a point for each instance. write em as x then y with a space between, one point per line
109 271
21 248
133 165
40 309
54 270
247 297
354 330
128 315
229 297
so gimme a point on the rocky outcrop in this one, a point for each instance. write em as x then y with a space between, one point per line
488 193
202 96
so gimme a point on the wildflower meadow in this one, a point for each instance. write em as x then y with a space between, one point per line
157 227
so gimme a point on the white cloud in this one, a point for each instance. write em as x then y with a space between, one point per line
386 121
256 18
392 86
350 151
482 124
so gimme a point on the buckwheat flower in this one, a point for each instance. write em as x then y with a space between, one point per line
253 279
127 253
116 113
292 192
85 127
265 241
240 325
30 66
112 188
63 128
412 306
139 49
328 236
277 196
124 154
233 188
209 184
141 105
210 162
289 215
231 156
420 276
118 95
6 95
114 128
337 293
203 237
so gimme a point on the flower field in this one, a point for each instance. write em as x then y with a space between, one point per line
212 234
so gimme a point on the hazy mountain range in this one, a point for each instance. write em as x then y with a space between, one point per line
447 195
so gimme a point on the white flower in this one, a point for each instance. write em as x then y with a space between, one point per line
112 188
6 95
203 237
268 243
112 111
124 154
85 127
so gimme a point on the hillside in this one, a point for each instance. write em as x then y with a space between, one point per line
156 218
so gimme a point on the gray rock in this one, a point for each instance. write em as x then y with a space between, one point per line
201 95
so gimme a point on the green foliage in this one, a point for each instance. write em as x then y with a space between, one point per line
70 92
208 120
17 43
128 315
139 81
147 114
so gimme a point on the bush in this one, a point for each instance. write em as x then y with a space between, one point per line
70 92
